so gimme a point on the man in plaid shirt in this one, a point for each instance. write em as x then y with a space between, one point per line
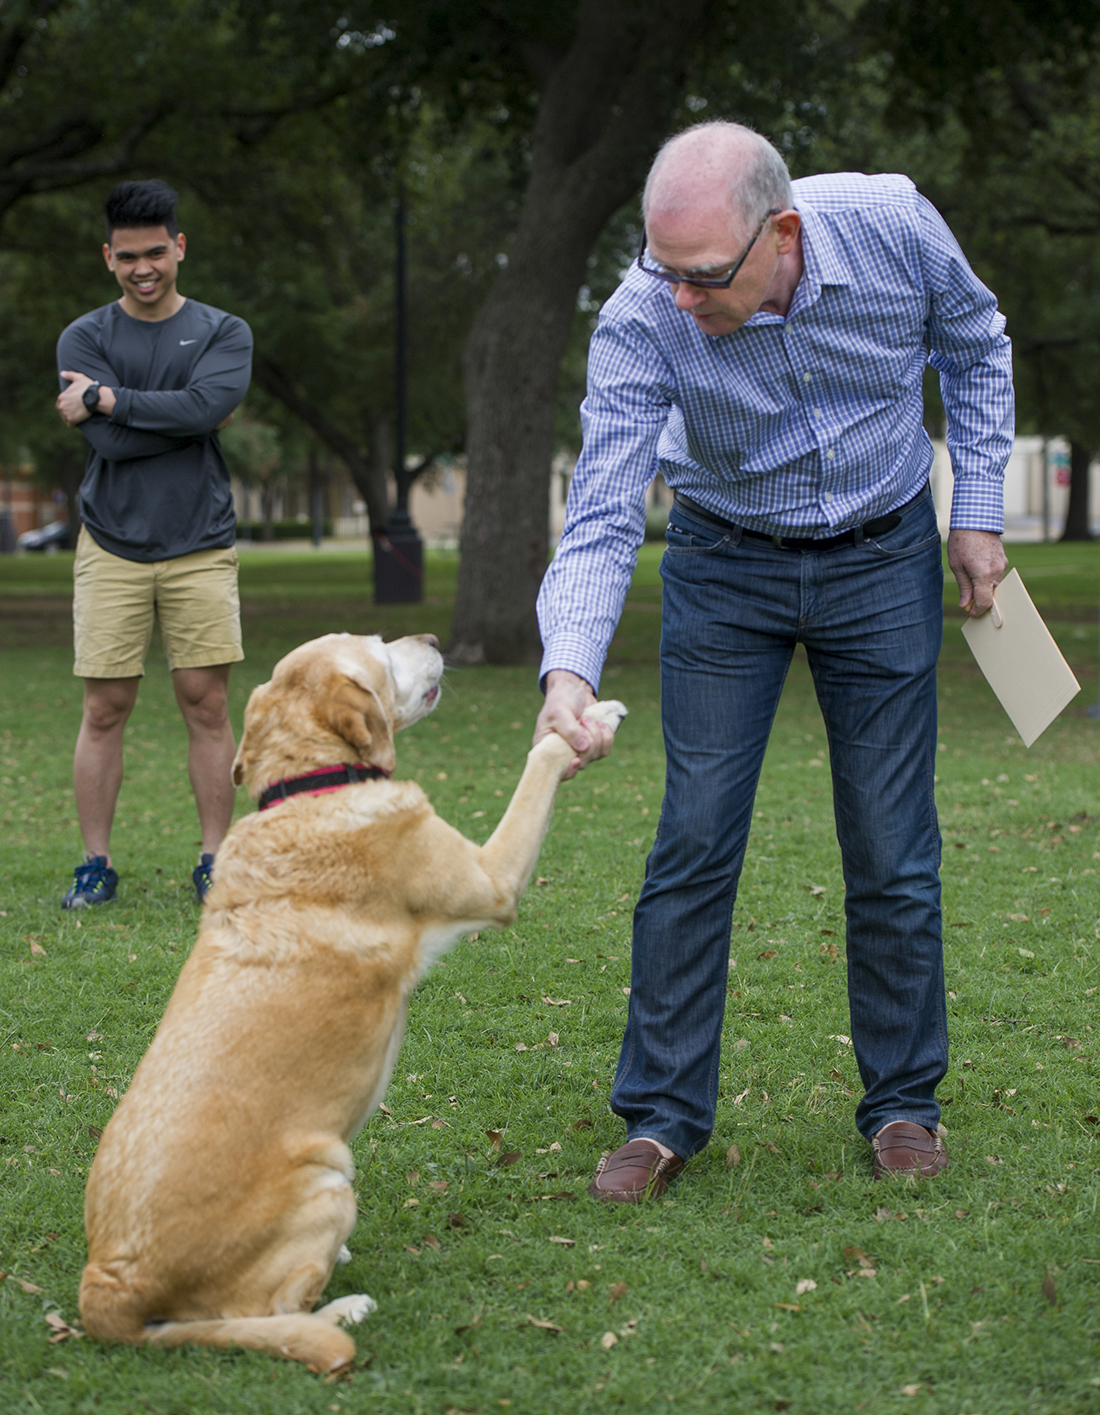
766 355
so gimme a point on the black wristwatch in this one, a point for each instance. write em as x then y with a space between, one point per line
91 396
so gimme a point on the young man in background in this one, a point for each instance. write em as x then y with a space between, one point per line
149 380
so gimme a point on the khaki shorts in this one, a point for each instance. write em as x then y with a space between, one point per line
115 602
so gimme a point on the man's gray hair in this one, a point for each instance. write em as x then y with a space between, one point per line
757 185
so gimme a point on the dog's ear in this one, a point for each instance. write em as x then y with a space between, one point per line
255 714
356 714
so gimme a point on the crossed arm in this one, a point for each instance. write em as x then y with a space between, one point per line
142 423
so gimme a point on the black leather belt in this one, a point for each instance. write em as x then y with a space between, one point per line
855 535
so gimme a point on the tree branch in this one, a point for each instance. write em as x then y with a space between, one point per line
272 378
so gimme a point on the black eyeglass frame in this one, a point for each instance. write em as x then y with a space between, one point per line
706 282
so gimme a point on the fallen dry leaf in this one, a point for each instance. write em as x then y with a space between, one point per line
804 1284
565 1242
521 1046
495 1137
26 1286
583 1285
552 1038
509 1157
412 1176
439 1186
456 1221
544 1326
583 1124
815 889
883 1214
1049 1290
385 1110
733 1157
414 1251
608 1340
558 1001
857 1255
911 1390
768 953
61 1329
617 1290
431 1241
410 1203
787 1306
37 950
95 1133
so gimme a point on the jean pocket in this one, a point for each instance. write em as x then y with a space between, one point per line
681 542
887 550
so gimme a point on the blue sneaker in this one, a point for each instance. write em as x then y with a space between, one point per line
203 876
94 882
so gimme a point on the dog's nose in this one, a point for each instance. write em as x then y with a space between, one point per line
430 639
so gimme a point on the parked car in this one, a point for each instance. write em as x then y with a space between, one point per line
49 538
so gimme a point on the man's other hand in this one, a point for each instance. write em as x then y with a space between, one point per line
567 697
70 403
978 561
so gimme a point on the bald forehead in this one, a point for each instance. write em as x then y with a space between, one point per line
696 170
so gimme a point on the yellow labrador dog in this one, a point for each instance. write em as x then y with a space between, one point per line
221 1194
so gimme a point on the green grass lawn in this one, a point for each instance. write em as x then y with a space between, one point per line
978 1294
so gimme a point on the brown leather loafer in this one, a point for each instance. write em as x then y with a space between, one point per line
636 1171
905 1148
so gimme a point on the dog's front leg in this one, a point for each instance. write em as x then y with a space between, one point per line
508 857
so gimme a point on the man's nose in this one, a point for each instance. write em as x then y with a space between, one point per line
688 296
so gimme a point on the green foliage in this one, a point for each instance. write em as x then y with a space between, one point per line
957 1304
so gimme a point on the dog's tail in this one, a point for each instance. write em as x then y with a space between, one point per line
116 1308
300 1336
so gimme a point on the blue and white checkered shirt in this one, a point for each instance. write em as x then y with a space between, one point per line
804 425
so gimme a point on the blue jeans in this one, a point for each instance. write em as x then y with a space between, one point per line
871 618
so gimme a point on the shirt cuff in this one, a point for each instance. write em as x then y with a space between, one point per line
978 505
121 411
577 655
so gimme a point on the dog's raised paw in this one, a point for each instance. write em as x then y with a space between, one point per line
611 712
348 1310
344 1255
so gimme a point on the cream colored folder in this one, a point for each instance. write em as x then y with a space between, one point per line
1022 663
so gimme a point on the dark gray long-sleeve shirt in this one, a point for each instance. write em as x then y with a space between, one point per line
156 484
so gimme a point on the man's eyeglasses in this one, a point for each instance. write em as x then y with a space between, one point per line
706 282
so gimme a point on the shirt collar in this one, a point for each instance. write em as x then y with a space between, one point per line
823 263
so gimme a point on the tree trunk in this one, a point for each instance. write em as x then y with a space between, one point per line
70 473
1077 513
605 106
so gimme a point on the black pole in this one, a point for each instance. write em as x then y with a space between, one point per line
399 554
401 358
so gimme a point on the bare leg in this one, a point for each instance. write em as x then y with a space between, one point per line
202 694
97 761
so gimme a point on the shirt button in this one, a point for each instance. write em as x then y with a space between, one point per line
807 377
830 454
817 412
827 496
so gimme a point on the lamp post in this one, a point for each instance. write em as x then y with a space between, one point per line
399 551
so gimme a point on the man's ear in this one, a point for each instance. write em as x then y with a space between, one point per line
356 714
254 714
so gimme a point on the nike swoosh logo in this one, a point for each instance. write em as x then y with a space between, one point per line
189 341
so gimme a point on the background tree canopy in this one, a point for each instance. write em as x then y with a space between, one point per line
521 135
